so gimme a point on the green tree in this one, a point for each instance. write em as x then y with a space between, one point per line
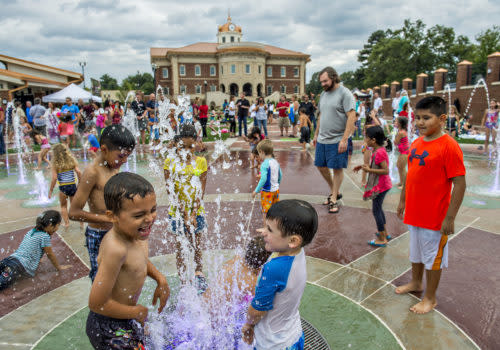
314 85
488 42
139 81
108 82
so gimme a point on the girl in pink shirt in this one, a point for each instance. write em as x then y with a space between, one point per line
403 144
379 181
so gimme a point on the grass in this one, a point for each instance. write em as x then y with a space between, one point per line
470 141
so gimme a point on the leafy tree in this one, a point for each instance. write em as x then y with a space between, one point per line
488 42
108 82
139 81
314 85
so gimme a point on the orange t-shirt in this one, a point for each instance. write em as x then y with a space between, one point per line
431 167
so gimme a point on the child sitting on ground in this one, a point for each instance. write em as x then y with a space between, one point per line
305 128
273 319
117 142
188 178
64 167
379 181
435 163
43 141
403 144
123 266
25 260
270 177
253 138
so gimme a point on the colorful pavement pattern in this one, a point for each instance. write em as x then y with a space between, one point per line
350 295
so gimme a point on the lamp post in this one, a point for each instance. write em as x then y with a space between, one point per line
206 84
83 64
154 67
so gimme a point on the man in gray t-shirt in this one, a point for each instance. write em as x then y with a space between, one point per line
336 123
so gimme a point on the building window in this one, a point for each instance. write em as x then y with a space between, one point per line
164 73
221 69
213 88
183 89
269 71
233 69
283 89
166 91
296 72
283 72
197 89
260 69
212 71
232 39
182 70
296 89
223 39
247 68
269 90
197 70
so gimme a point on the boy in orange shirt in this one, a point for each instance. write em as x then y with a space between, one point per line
435 163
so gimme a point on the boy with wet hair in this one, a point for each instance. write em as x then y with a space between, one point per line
116 142
115 317
435 169
273 320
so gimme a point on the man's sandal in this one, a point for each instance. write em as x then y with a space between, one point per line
329 199
333 208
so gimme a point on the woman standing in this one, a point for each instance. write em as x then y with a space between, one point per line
261 115
203 115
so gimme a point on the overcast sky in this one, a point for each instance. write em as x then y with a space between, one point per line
114 37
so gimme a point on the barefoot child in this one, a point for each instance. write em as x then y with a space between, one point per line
273 319
379 181
64 167
401 141
305 128
117 142
490 123
253 138
435 164
270 177
115 320
40 139
186 176
25 260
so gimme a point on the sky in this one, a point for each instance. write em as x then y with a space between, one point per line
114 36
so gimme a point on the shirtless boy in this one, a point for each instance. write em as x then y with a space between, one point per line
114 317
117 142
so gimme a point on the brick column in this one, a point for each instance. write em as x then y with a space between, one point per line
394 88
440 79
464 74
408 85
493 70
376 89
384 92
422 80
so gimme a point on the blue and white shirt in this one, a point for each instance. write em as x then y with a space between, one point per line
270 176
279 291
30 250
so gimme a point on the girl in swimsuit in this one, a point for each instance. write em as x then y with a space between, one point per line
490 122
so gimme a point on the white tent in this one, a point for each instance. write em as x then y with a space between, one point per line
73 91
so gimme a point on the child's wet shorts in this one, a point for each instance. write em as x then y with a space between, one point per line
94 149
200 224
305 135
68 190
110 333
267 199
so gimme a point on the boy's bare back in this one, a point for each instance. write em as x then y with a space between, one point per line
304 121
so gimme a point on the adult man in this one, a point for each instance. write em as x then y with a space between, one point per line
283 121
243 107
37 113
73 113
139 108
335 126
378 105
28 116
309 108
395 104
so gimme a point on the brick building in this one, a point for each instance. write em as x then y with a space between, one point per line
229 66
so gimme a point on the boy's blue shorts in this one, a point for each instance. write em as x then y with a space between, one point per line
200 224
327 156
299 345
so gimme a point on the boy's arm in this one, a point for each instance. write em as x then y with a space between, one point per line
263 176
85 187
457 195
402 201
162 291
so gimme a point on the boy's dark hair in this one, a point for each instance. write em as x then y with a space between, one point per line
435 104
125 186
255 130
376 132
47 218
117 137
265 146
186 131
403 122
295 217
303 110
256 254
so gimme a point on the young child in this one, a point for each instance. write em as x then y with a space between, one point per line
188 178
199 133
490 123
26 129
270 178
379 181
117 142
435 163
64 167
114 317
40 139
253 138
94 143
273 319
371 121
403 144
305 128
63 130
25 260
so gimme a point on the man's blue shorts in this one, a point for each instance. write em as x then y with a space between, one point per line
327 155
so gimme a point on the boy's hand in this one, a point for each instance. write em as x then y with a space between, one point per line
401 210
248 333
162 293
448 226
357 168
142 313
254 194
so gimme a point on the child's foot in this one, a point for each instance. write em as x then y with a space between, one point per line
377 243
66 224
409 287
388 237
424 306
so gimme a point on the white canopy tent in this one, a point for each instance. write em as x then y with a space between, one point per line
73 91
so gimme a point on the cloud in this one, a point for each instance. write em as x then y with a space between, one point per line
114 37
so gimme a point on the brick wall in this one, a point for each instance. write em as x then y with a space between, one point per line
276 81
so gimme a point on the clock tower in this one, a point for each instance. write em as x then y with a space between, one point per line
229 32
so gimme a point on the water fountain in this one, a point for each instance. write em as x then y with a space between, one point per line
20 145
130 122
41 193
